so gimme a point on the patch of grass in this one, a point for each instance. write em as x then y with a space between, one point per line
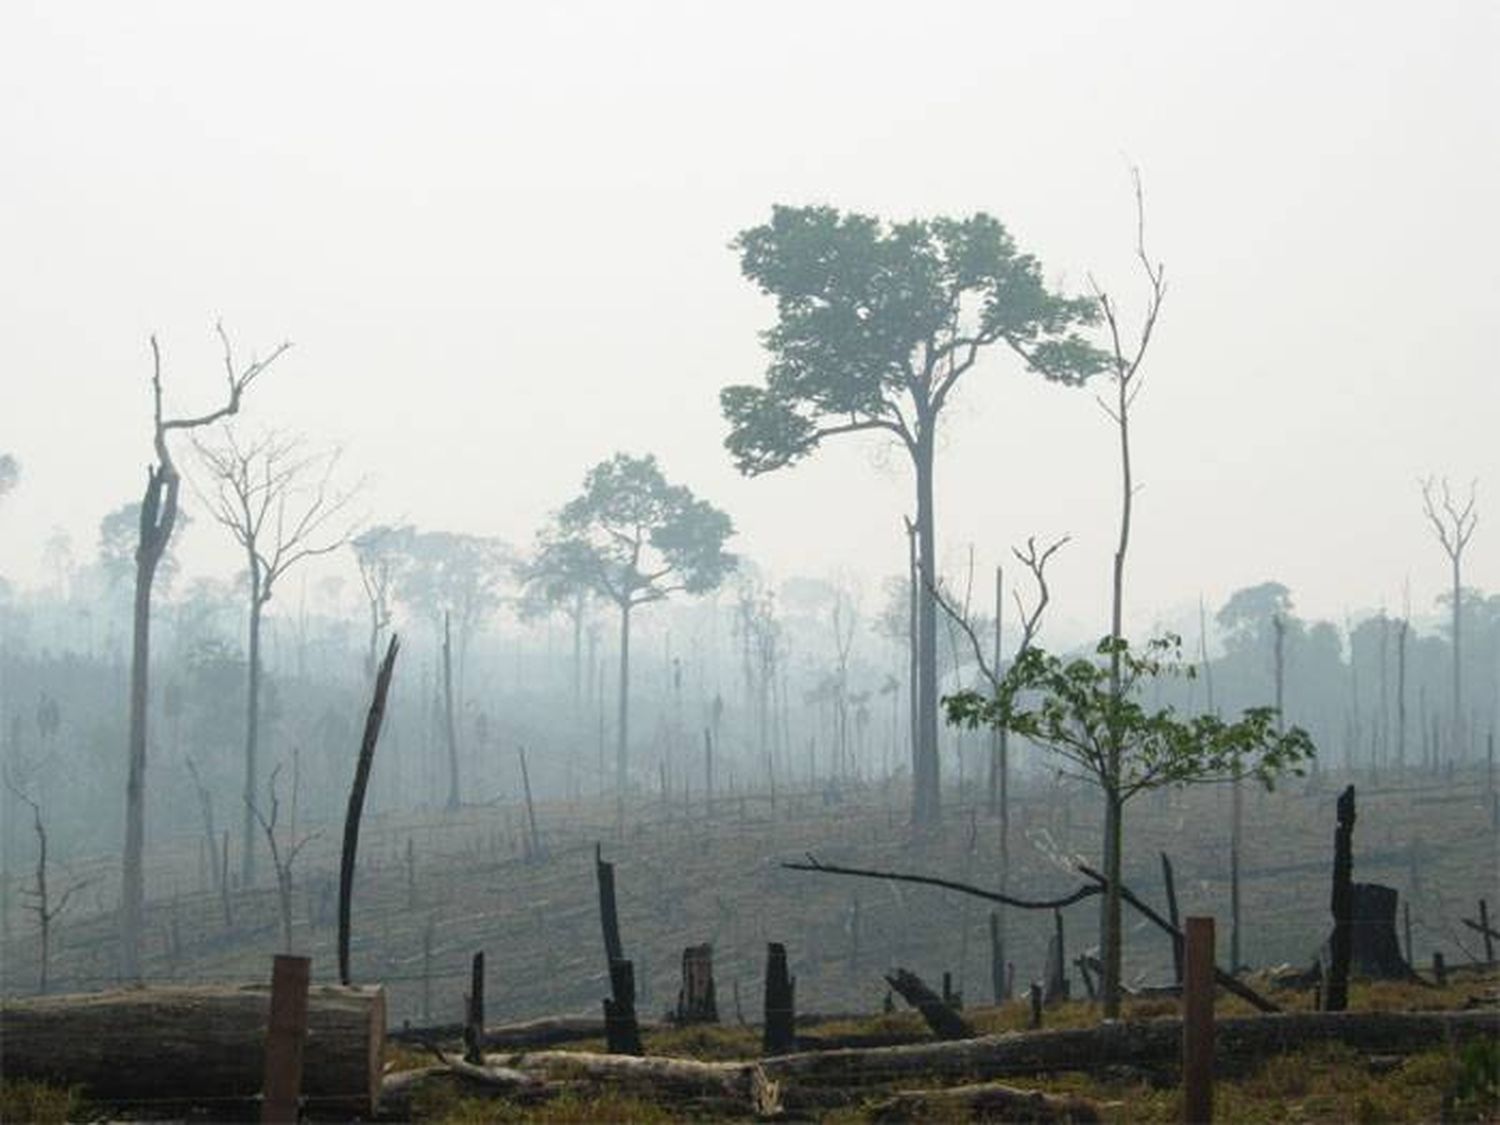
447 1105
24 1100
709 1042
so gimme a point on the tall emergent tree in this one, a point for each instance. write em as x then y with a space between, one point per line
876 324
277 500
632 538
158 517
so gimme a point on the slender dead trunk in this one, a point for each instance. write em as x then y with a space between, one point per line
622 734
1457 742
1401 631
926 794
252 731
450 729
158 513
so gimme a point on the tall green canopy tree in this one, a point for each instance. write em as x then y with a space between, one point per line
632 538
876 324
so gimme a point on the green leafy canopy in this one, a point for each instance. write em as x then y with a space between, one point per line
632 537
876 322
1068 706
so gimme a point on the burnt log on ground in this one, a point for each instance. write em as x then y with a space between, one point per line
1149 1043
202 1044
742 1085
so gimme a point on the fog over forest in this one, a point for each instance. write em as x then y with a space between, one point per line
601 353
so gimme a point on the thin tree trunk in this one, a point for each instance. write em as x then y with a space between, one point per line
252 733
450 730
926 794
158 512
622 734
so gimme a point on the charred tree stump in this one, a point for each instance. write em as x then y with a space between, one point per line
997 960
622 1034
621 1031
780 1034
474 1012
1375 951
608 917
1056 987
1484 920
1036 1006
1336 989
944 1021
696 1002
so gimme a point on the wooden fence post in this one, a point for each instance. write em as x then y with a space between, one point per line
285 1034
1198 1023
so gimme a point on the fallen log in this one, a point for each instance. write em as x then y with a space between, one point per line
1147 1043
201 1044
989 1101
543 1032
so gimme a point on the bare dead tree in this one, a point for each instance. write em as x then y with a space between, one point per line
1035 562
44 907
1453 523
206 810
1125 372
1031 618
158 517
282 862
277 501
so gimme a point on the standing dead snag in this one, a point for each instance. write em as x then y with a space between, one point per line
1454 527
357 799
44 908
621 1031
274 499
158 517
1336 988
282 863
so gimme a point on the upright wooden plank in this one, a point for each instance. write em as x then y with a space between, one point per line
286 1032
1198 1022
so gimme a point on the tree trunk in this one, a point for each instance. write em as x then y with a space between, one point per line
158 512
1113 951
926 780
204 1043
1336 987
622 736
450 731
252 733
1458 743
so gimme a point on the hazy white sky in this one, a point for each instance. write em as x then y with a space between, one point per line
497 235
